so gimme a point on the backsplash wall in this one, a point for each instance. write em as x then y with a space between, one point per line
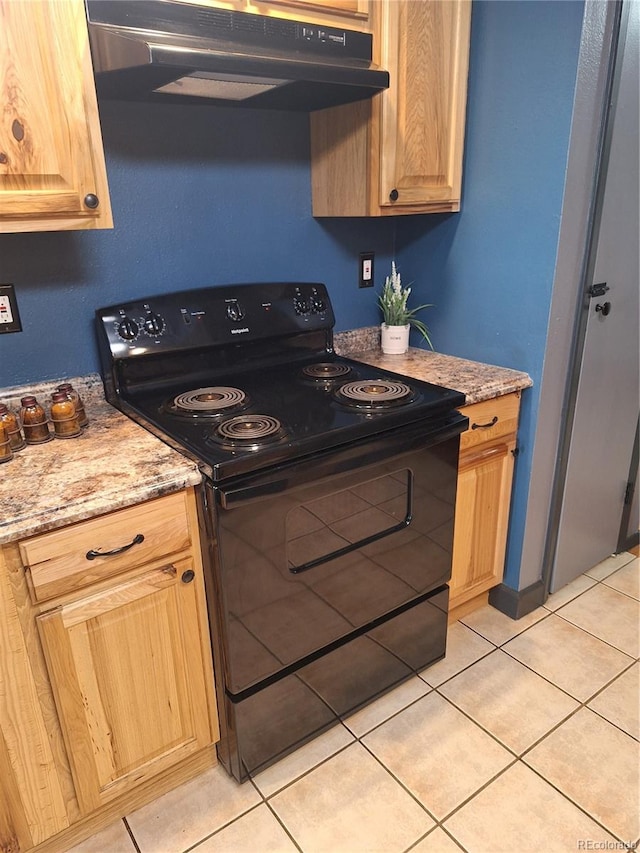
201 196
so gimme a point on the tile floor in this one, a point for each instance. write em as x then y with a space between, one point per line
525 738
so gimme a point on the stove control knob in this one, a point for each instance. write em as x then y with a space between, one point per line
128 329
153 324
300 304
235 311
317 303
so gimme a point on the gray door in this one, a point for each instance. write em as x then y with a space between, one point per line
606 410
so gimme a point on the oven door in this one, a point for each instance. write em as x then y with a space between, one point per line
313 551
329 581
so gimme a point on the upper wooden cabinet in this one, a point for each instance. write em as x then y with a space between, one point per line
52 169
401 152
353 14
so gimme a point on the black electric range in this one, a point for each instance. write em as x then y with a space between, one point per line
326 508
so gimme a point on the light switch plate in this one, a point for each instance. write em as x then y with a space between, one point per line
9 314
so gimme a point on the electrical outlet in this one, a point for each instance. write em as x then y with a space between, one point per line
365 278
9 315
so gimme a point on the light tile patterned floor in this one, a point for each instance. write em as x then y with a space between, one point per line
525 738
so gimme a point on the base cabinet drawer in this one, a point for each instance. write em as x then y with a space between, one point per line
82 554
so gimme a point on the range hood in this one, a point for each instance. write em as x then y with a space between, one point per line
163 50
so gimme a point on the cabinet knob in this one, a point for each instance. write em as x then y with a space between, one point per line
604 309
393 195
188 576
91 201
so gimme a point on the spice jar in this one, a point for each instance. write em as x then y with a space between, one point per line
34 421
12 427
6 453
64 416
68 389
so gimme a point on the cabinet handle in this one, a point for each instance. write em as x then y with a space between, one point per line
137 539
492 422
91 201
188 576
393 195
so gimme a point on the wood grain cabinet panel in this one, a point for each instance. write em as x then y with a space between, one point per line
483 501
52 168
353 14
343 9
128 675
402 151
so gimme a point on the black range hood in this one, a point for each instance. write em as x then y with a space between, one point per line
162 50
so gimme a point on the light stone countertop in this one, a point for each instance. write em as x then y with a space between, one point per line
475 380
115 463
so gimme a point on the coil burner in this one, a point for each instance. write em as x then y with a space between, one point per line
326 370
375 394
248 432
206 402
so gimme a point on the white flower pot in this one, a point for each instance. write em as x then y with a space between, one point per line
394 339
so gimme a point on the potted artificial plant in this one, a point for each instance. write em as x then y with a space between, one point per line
398 317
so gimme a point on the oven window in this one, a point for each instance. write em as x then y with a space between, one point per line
343 521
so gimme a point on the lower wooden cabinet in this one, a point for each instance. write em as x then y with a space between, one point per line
106 689
128 676
483 500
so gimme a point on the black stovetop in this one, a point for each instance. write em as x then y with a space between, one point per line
312 417
256 339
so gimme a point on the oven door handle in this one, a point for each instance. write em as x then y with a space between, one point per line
330 463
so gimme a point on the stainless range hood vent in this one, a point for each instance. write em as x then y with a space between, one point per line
163 50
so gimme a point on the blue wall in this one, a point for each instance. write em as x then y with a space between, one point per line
205 196
490 270
201 197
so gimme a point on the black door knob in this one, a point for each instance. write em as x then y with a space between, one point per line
393 195
605 308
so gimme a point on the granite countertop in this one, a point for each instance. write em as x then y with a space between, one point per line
475 380
113 464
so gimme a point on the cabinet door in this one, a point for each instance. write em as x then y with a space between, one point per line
400 152
52 167
425 47
128 673
356 9
354 13
482 514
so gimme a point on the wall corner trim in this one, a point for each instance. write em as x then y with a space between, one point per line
517 603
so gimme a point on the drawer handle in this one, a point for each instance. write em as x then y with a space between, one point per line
492 422
137 539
